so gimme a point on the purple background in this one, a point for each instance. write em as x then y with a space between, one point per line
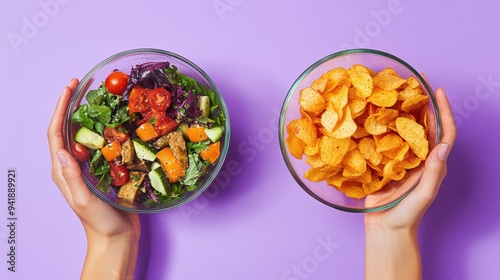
256 223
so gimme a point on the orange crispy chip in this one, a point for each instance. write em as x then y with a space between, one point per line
312 101
329 120
295 146
388 79
306 131
315 161
336 77
409 91
388 142
332 150
413 133
414 102
383 98
363 82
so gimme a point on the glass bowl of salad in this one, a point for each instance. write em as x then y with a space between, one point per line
149 128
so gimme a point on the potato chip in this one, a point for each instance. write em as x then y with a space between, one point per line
306 131
321 173
319 85
295 146
336 180
409 91
410 161
374 127
388 142
368 150
375 185
345 127
388 80
355 161
311 150
413 133
353 189
329 120
392 172
412 82
337 99
315 161
357 106
312 101
398 153
363 82
332 150
383 98
336 77
360 132
414 102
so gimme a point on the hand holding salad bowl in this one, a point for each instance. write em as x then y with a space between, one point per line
153 132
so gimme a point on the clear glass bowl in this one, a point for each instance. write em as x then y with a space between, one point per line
124 61
395 191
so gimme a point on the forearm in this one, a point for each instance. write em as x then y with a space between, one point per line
392 255
110 257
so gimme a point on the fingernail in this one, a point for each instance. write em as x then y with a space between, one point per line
62 158
444 151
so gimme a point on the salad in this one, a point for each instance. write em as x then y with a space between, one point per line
149 134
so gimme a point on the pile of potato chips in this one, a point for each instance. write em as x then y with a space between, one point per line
359 129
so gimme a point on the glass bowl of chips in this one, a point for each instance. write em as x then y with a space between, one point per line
356 127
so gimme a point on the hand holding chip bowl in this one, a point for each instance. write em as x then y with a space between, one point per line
359 123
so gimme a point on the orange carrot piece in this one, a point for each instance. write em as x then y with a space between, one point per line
211 153
146 132
170 164
112 150
196 133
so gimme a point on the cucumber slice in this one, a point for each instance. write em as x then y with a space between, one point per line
159 180
214 133
143 150
204 103
89 139
155 165
182 128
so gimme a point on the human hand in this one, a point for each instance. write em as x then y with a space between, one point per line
392 250
109 231
408 213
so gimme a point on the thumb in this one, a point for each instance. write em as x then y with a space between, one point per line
72 174
434 172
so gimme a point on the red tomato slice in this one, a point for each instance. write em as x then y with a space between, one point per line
119 173
80 152
138 100
165 125
116 82
159 99
153 114
113 134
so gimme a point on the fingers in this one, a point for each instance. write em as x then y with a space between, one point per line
72 175
435 166
447 120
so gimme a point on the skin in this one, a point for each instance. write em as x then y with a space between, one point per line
392 250
112 235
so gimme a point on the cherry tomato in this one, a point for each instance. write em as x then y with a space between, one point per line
80 152
116 82
119 173
137 100
165 125
153 114
113 134
159 99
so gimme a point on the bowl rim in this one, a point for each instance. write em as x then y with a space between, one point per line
82 87
293 88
